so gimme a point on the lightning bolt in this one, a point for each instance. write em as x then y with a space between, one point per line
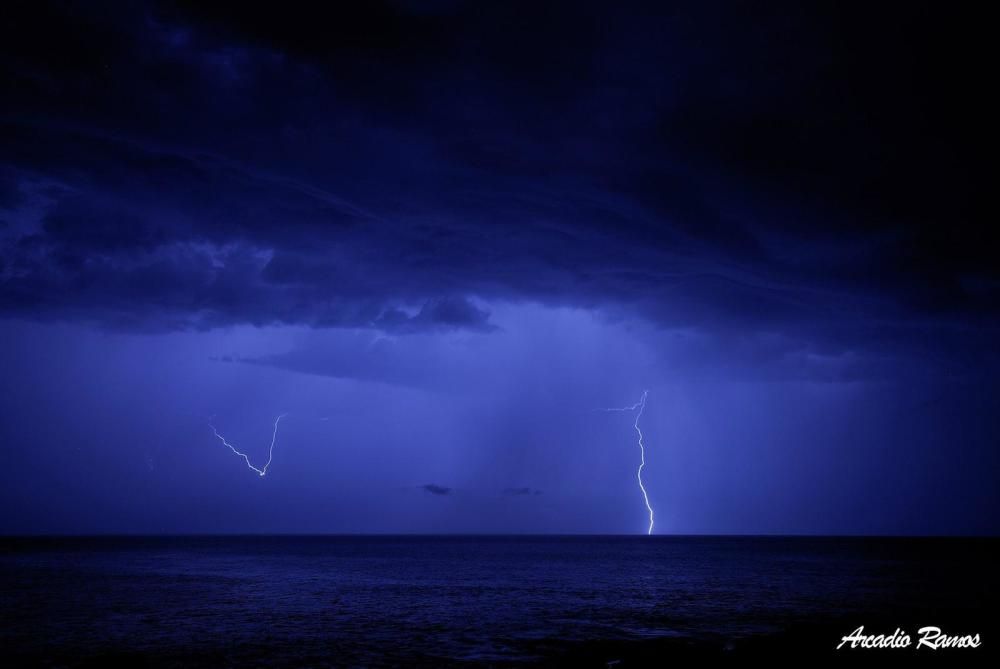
270 451
639 407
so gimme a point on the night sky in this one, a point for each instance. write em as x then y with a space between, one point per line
443 236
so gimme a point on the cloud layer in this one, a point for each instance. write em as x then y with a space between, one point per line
808 172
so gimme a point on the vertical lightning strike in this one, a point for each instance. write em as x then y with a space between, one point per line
270 450
639 407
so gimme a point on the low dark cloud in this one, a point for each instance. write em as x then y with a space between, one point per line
520 492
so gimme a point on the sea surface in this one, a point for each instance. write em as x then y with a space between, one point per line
455 601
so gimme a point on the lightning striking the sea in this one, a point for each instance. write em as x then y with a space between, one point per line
270 450
639 407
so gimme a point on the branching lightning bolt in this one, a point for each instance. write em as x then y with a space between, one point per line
639 407
270 450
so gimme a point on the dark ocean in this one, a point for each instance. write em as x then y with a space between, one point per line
446 601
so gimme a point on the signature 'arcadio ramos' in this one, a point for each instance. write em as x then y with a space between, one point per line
930 637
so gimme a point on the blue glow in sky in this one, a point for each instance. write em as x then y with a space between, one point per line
440 237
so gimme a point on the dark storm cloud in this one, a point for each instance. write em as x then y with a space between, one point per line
815 172
444 313
435 489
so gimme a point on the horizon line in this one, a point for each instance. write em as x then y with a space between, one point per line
513 535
